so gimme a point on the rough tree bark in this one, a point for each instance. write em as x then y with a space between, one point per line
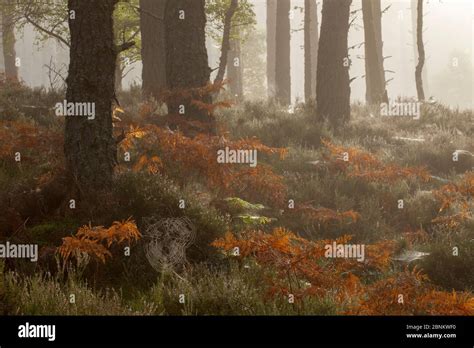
333 85
310 48
8 40
282 61
376 92
271 47
152 28
225 46
89 147
421 51
186 57
118 75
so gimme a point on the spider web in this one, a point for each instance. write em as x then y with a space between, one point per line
168 240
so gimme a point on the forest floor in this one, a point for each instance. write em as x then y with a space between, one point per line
243 240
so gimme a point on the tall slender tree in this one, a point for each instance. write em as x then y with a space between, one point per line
235 67
271 46
420 50
230 21
310 48
186 57
8 39
2 60
282 61
226 40
376 92
314 32
333 84
152 26
89 147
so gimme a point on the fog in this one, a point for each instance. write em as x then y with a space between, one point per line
448 36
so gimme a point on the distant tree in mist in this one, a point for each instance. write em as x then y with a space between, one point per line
230 22
376 92
8 39
454 84
2 61
235 67
253 51
271 46
421 51
333 84
153 54
282 58
311 38
226 40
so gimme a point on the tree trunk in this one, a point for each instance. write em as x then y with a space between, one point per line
89 147
314 32
2 60
271 47
282 62
234 69
308 67
152 28
8 40
186 59
118 75
421 52
225 46
374 71
310 49
333 85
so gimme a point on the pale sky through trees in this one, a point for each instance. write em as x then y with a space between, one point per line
448 33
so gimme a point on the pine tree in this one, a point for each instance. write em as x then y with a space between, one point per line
333 85
152 26
282 61
90 148
186 56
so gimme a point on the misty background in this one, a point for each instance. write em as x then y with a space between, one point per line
448 37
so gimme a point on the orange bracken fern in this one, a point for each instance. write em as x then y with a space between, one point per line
96 241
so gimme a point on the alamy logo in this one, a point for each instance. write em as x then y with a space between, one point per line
20 251
354 251
37 331
237 156
75 109
411 109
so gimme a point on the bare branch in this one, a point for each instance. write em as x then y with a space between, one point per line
49 32
125 46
